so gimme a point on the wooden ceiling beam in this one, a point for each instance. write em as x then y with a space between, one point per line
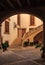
28 2
19 3
2 5
10 3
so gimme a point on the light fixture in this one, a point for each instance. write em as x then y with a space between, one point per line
15 25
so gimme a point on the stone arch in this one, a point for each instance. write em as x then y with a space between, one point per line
31 11
20 6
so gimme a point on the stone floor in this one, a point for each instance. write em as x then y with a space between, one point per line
21 56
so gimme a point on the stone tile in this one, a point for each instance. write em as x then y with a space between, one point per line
21 57
27 62
40 61
8 57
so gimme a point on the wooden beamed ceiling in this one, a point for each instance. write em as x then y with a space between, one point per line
8 4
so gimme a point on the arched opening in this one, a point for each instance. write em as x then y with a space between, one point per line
18 28
27 53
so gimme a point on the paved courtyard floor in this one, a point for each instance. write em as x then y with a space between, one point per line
21 56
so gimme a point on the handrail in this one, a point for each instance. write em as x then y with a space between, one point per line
32 31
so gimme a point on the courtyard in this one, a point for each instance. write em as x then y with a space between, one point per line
21 56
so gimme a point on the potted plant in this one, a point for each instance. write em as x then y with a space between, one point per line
38 45
43 51
5 45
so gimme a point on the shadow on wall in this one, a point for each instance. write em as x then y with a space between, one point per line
39 37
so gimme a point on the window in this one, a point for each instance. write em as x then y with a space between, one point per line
32 20
18 19
6 27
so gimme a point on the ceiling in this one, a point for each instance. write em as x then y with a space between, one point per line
14 4
33 6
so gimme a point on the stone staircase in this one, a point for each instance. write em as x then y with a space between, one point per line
16 43
32 33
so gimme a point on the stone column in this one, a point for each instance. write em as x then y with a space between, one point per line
43 53
0 36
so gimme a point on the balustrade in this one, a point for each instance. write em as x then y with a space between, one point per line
33 31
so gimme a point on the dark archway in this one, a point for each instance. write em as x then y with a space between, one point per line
32 11
11 7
